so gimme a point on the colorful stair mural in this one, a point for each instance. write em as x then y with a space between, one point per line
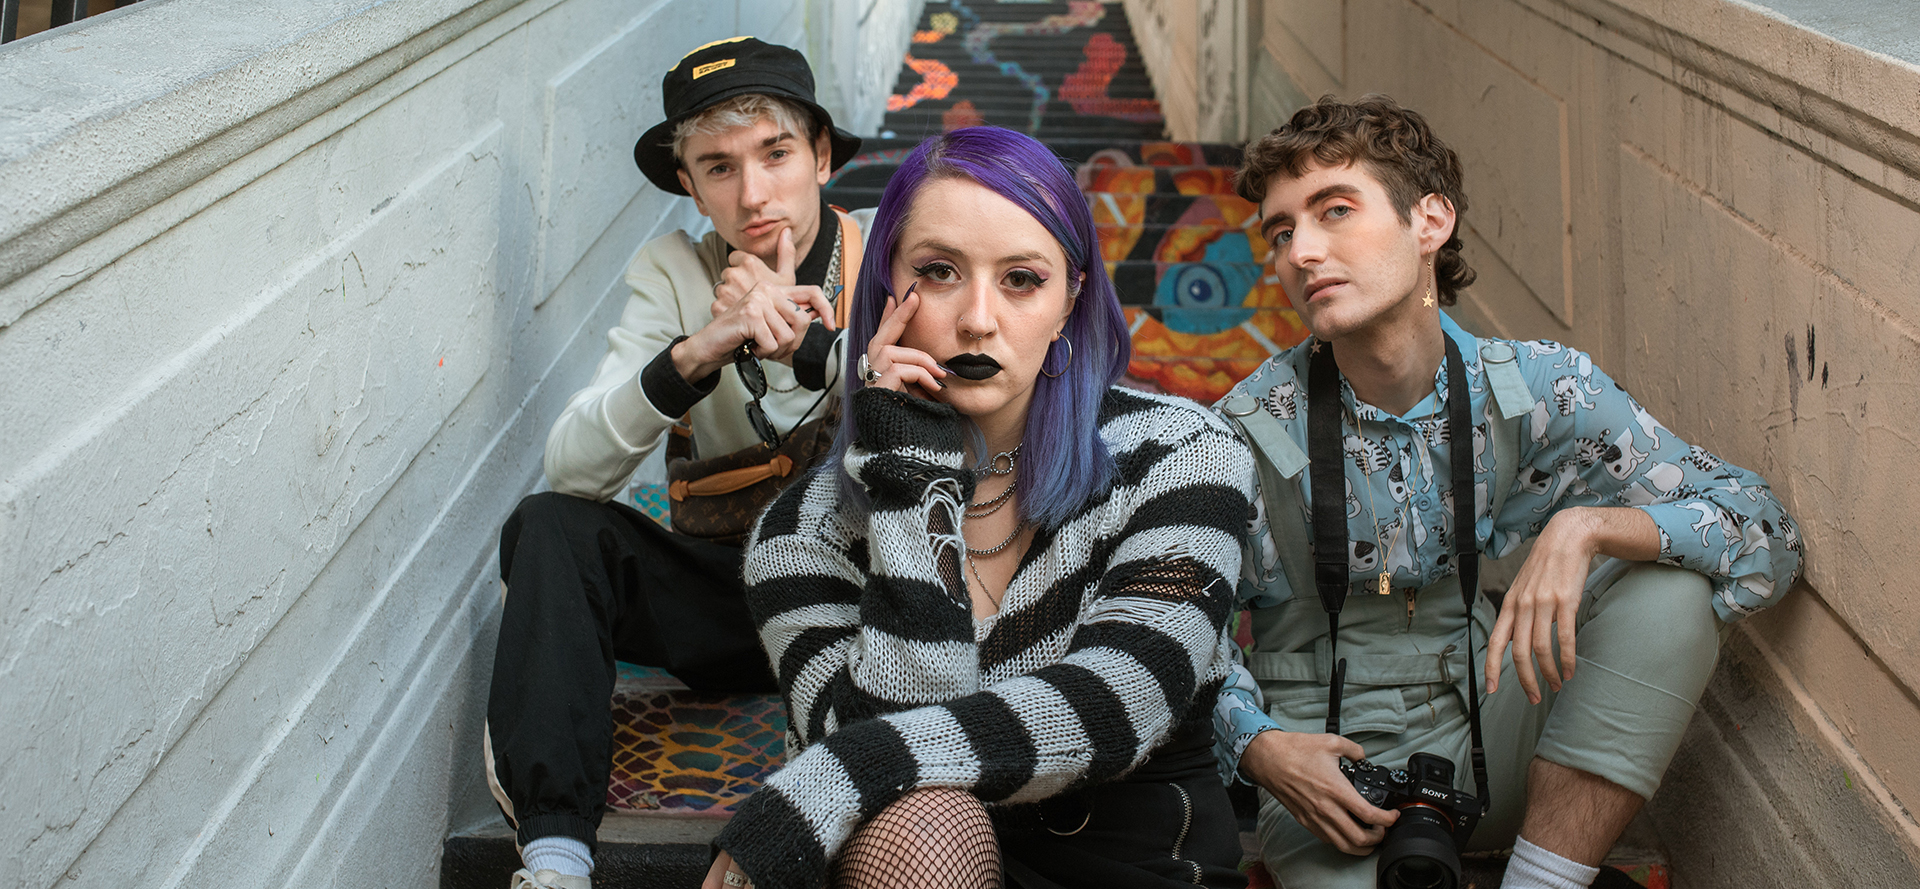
1184 254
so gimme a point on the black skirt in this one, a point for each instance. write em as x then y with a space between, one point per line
1168 823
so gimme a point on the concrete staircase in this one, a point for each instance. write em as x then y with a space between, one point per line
1185 257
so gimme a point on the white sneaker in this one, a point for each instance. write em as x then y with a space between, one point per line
547 879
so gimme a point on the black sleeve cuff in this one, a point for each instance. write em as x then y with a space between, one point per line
885 420
670 392
810 360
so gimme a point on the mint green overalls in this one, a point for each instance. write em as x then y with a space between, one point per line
1647 641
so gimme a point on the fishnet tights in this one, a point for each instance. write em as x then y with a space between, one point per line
938 838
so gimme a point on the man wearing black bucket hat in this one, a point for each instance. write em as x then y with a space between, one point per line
736 333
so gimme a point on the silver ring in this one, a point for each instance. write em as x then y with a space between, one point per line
868 375
734 878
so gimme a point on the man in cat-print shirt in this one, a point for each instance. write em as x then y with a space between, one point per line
1361 202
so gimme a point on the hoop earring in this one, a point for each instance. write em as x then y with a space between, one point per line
1063 367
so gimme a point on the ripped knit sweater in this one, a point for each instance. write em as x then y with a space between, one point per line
1110 638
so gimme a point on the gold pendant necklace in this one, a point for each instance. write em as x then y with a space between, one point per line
1373 517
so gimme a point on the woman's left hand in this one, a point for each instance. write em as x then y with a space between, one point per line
717 875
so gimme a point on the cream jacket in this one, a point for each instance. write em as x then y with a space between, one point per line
610 426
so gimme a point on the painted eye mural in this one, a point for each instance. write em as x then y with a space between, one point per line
1205 296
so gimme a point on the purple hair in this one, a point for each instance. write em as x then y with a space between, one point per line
1063 462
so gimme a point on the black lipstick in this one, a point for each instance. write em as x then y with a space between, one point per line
972 366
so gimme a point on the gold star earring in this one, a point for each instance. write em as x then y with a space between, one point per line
1428 299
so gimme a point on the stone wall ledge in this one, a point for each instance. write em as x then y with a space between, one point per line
88 143
1868 101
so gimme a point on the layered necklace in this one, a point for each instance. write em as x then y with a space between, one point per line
1003 463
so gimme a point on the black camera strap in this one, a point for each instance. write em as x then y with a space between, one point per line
1327 459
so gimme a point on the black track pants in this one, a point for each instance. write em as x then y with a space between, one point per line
589 583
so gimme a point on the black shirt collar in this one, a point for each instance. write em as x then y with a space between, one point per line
813 267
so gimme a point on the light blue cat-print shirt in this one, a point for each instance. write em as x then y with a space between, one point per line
1586 443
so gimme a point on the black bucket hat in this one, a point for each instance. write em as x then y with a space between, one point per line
720 71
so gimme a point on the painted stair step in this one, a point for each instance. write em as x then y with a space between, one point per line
1107 174
1053 70
1020 117
1004 12
1053 65
923 127
1055 107
984 81
1134 209
1007 89
1159 152
1227 281
650 853
1151 238
1113 25
981 79
679 752
1160 208
1017 114
1102 177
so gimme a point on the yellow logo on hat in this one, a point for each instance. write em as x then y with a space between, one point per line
711 67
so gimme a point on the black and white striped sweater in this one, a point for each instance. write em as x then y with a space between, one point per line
1110 638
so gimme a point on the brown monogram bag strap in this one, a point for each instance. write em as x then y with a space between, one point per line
680 439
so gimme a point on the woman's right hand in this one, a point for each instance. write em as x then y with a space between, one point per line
900 366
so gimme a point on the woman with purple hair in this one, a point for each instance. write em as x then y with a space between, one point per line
997 612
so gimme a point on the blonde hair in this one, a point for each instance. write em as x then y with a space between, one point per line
745 111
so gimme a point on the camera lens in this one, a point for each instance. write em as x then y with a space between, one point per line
1418 852
1419 873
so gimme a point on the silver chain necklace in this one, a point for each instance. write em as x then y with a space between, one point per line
993 466
1017 528
995 505
990 507
983 585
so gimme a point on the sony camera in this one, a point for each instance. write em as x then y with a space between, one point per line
1422 849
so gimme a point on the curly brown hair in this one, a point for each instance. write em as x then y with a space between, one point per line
1396 146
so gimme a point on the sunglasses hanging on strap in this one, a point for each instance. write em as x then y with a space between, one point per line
719 498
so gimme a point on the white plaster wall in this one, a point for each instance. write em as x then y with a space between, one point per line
288 300
857 47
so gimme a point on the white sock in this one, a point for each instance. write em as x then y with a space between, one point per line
1532 867
564 855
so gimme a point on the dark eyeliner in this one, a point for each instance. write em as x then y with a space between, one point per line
1039 281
